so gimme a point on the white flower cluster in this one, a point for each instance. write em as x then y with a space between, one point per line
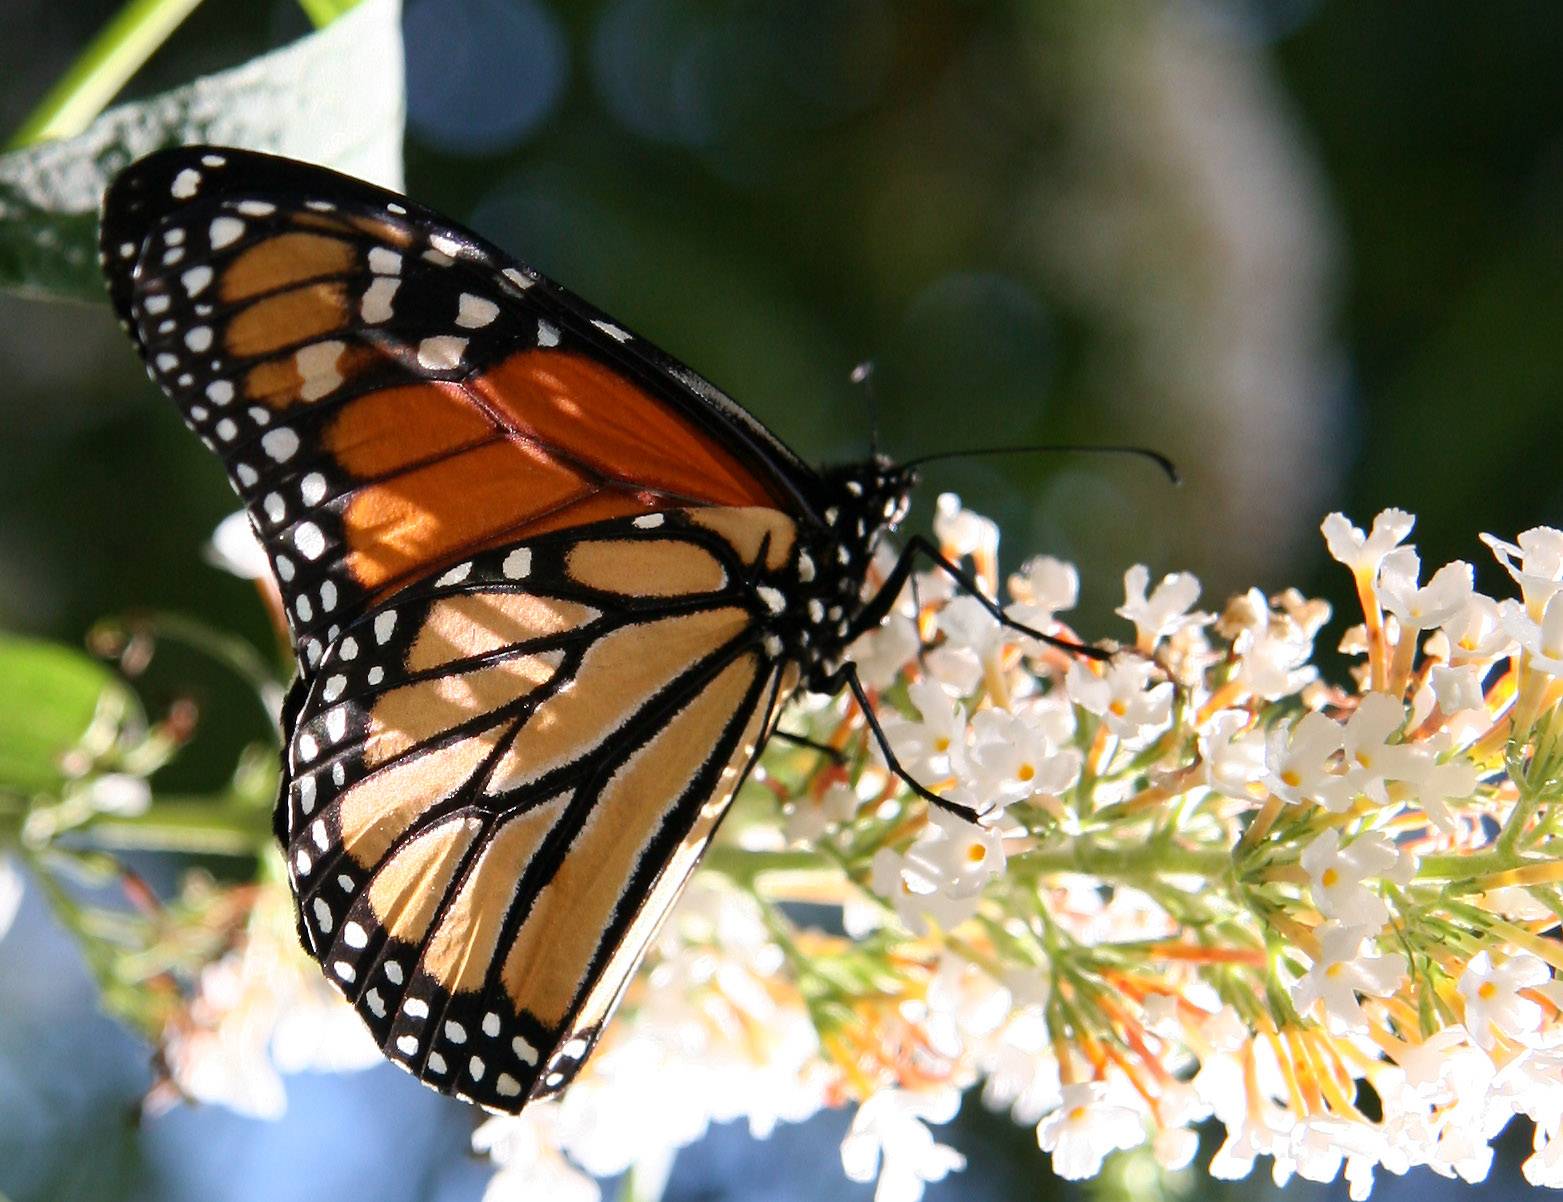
1191 882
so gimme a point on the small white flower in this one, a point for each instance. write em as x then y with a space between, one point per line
1121 697
1338 876
1363 553
1493 1005
1234 755
1476 634
1442 783
1369 756
889 1138
526 1148
1042 588
963 533
808 818
954 856
915 894
1341 972
1544 1167
882 654
1536 564
966 622
1299 762
234 548
1541 641
972 636
934 747
1165 611
1421 607
1272 650
1460 688
1085 1128
1015 755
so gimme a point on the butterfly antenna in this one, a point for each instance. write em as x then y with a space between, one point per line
863 376
1165 464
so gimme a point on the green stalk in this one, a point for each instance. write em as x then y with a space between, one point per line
121 48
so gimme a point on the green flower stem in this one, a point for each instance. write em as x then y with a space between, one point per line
744 868
221 825
1469 867
1130 865
130 38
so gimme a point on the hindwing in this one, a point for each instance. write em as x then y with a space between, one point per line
498 783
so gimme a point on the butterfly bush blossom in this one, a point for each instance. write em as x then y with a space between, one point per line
1198 884
1193 883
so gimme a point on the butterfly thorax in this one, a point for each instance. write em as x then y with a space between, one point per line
816 605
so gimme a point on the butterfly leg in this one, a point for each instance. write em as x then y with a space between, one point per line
880 603
835 754
846 677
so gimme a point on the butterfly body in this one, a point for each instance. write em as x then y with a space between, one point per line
548 590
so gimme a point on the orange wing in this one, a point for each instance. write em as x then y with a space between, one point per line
389 395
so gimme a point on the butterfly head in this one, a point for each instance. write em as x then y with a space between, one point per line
865 501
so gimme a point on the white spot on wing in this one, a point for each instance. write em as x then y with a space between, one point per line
309 540
354 935
475 312
225 231
256 208
185 184
517 277
524 1051
385 261
322 916
312 488
383 625
456 575
612 331
518 564
547 334
220 392
650 521
317 368
280 444
442 352
376 305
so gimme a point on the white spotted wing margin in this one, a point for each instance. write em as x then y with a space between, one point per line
498 784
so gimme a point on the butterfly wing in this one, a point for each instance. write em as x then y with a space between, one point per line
390 393
499 782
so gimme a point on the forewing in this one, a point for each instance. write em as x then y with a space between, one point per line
498 785
390 394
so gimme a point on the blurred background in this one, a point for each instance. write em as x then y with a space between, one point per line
1313 251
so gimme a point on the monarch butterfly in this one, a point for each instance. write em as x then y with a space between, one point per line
548 589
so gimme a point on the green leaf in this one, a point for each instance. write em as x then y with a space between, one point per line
336 97
50 697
